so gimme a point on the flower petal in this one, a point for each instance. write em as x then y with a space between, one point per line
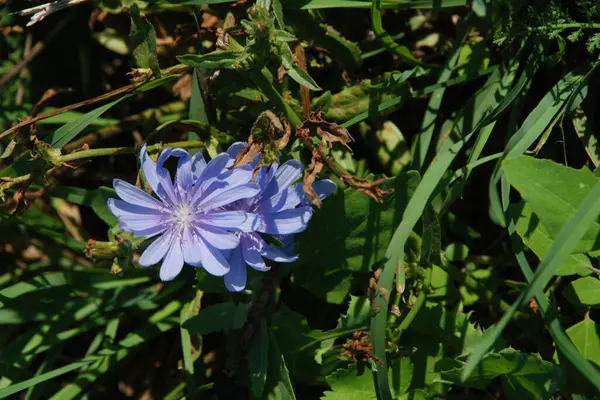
283 178
235 149
213 260
165 189
324 188
132 194
218 238
149 168
198 165
238 220
220 196
134 217
276 254
250 250
284 200
191 246
183 178
214 168
235 279
157 249
285 222
173 262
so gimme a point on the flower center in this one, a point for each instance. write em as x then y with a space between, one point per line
182 215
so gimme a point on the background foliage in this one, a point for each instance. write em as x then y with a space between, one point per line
471 273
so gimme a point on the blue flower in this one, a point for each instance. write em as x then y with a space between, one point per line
282 209
189 216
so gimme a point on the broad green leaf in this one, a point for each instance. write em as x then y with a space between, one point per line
554 192
584 291
278 385
358 313
535 236
346 385
540 120
586 337
566 241
450 326
143 38
524 376
258 359
349 233
219 317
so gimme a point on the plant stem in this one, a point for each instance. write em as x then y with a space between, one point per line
410 317
570 25
113 151
261 79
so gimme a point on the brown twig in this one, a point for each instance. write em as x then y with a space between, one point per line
107 96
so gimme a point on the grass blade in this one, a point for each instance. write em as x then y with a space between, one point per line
564 244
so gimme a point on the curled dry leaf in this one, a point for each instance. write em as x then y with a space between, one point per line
328 133
310 176
270 134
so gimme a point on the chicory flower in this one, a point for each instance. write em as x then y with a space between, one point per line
282 209
188 216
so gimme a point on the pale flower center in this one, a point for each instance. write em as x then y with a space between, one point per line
182 215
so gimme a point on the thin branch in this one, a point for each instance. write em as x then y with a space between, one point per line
107 96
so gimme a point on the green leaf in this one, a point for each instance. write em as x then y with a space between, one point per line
302 77
524 376
143 38
586 337
215 60
219 317
278 385
554 193
358 314
355 240
343 51
346 385
67 132
566 241
258 359
584 291
535 236
450 326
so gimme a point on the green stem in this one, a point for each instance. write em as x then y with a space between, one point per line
571 25
262 80
412 314
113 151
